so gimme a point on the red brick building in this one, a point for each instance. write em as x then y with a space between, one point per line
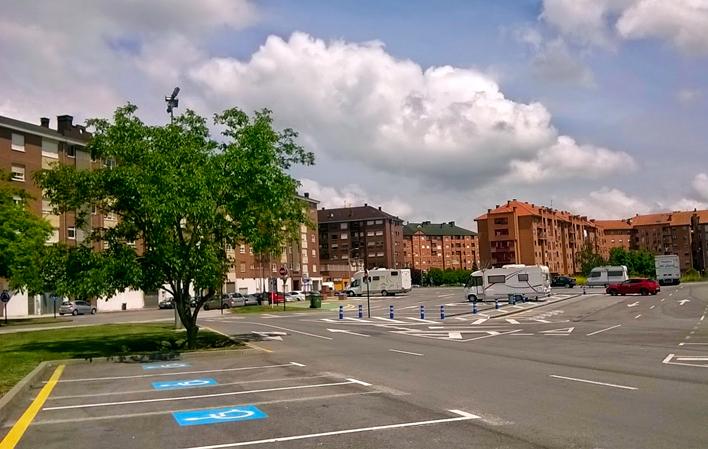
439 245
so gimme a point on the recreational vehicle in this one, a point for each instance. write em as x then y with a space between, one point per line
604 276
668 269
534 281
382 281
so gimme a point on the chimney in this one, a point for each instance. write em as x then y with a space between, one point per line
44 122
306 194
64 123
379 207
452 223
366 205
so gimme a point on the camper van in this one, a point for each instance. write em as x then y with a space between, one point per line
382 281
668 269
604 276
534 281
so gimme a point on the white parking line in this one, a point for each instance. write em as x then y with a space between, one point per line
463 416
140 376
422 320
199 396
651 307
290 330
480 321
625 387
637 316
406 352
602 330
511 321
388 320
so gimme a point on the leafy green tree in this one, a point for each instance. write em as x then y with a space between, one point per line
588 258
435 276
22 236
638 262
184 198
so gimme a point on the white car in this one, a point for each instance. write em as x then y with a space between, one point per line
296 295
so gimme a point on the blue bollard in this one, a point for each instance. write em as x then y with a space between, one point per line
474 307
422 312
341 312
496 304
442 311
390 311
361 311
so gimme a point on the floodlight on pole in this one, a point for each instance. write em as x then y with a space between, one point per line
172 102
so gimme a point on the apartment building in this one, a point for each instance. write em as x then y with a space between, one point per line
526 233
354 238
429 245
26 148
254 273
615 234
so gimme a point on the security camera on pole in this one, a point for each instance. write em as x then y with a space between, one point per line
283 272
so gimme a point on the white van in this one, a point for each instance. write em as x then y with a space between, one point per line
382 281
668 269
604 276
534 281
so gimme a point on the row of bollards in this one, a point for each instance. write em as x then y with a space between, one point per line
392 314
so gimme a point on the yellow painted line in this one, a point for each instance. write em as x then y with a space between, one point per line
20 427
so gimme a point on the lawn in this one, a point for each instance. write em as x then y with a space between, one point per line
21 352
27 321
299 306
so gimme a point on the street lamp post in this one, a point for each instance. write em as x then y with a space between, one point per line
172 103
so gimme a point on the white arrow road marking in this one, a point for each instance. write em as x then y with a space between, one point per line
455 335
562 331
634 304
344 331
684 301
268 335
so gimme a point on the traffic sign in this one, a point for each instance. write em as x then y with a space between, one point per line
306 280
178 384
218 415
5 296
283 272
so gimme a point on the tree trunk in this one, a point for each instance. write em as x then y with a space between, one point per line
192 331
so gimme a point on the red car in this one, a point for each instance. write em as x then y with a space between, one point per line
639 286
276 298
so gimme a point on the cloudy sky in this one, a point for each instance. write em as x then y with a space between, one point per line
433 110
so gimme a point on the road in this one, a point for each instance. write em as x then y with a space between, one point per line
580 371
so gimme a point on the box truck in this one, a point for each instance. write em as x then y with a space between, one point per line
668 269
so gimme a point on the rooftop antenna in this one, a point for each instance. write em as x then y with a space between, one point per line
172 102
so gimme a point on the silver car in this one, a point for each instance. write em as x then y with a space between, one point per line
76 308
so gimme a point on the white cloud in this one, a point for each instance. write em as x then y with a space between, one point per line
683 23
566 159
700 186
554 62
353 195
689 96
357 102
609 203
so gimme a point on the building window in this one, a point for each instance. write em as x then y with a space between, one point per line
18 173
273 268
314 253
18 142
501 221
50 148
379 222
312 238
344 236
314 268
243 267
71 151
71 233
370 234
242 249
342 225
379 233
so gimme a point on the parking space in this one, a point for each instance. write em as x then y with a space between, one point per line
231 401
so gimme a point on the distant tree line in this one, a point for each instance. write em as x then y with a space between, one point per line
437 276
638 262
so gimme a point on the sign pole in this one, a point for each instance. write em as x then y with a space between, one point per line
368 294
5 298
5 304
284 288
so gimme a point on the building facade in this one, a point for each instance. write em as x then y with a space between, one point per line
26 148
354 238
614 234
445 246
524 233
255 273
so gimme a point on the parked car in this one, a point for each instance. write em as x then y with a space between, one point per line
297 295
562 281
276 298
639 286
225 302
76 308
166 304
251 300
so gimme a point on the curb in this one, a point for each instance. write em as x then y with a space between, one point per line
14 396
536 306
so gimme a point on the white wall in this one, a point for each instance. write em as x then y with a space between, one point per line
17 306
133 299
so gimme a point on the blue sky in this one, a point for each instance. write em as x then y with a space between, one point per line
596 105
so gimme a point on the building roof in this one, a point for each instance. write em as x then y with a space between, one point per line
651 219
41 130
358 213
524 209
429 228
613 224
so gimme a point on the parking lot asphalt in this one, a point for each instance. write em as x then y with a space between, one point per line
236 400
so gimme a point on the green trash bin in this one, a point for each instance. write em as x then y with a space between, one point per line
315 300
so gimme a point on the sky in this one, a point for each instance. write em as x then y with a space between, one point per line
433 110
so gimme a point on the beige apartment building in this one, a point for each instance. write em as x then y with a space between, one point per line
615 234
429 245
254 273
526 233
354 238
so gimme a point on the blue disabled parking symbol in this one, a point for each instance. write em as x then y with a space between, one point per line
165 365
218 415
177 384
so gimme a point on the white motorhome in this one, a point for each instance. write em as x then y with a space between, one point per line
382 281
604 276
533 281
668 269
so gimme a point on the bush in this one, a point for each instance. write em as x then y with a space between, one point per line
691 276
